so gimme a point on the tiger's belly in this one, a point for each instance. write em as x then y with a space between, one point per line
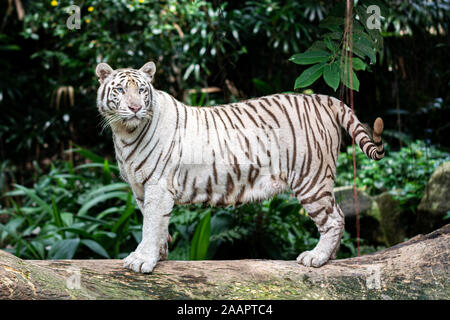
226 189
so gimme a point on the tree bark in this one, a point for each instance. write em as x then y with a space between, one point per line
415 269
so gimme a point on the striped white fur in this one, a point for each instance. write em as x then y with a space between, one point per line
171 154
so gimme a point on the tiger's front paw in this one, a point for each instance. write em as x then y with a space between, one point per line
139 262
313 258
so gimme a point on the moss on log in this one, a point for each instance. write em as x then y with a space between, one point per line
416 269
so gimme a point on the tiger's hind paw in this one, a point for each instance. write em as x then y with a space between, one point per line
313 258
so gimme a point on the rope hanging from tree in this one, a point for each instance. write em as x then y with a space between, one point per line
347 60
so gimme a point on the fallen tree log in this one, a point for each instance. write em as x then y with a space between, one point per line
415 269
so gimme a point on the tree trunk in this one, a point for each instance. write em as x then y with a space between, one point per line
416 269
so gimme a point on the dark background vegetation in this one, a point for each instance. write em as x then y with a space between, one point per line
47 100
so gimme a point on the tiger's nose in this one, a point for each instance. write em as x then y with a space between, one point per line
134 108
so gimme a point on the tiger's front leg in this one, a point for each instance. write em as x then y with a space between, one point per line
157 207
138 192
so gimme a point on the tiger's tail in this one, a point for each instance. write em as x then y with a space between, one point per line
369 142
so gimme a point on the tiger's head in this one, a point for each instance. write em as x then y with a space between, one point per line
125 96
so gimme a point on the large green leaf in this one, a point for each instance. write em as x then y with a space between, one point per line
106 173
56 214
67 218
200 241
38 247
358 64
12 226
373 35
310 57
119 186
309 76
77 229
101 198
332 22
318 45
64 249
97 165
346 80
129 209
333 46
363 46
96 247
331 75
32 194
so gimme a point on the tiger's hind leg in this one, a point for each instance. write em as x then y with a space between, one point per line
329 219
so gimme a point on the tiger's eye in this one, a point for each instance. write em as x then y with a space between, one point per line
141 90
120 90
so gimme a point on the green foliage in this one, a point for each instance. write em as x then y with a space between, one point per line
309 75
200 240
404 173
422 16
285 24
72 212
128 33
329 54
182 37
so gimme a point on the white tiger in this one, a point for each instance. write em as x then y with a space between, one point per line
171 154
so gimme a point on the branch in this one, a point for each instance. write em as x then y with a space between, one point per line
416 269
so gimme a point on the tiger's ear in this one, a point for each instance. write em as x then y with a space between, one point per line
149 69
103 70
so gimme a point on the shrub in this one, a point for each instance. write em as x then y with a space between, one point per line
404 173
72 212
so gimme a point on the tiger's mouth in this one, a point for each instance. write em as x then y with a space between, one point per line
132 121
134 117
